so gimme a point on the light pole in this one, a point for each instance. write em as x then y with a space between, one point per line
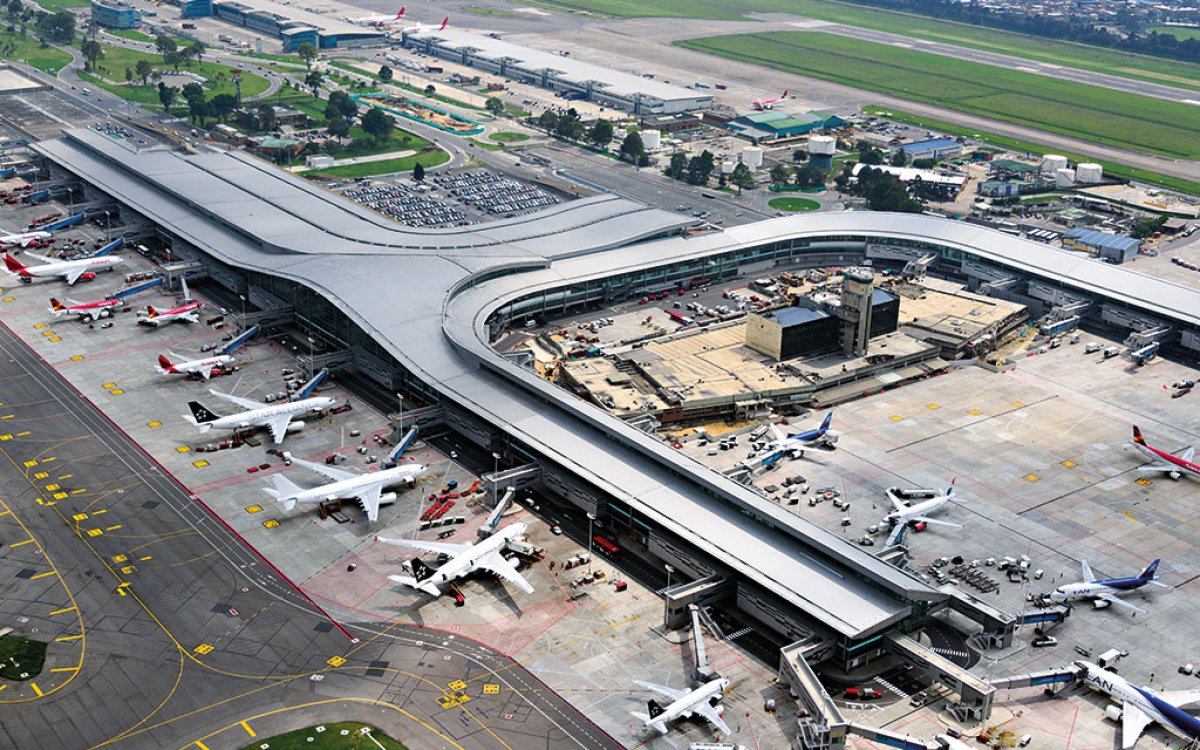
591 517
670 570
312 368
242 297
495 463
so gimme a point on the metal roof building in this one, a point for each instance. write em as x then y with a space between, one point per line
1115 247
560 73
262 231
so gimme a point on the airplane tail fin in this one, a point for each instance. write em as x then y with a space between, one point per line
421 571
151 311
13 264
1137 436
164 364
950 489
400 13
784 95
445 21
413 583
654 709
825 424
204 418
284 491
1151 569
56 306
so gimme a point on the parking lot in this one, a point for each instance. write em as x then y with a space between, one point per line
451 199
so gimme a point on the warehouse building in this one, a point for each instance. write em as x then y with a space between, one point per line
295 26
195 9
774 125
113 14
1116 248
574 79
938 148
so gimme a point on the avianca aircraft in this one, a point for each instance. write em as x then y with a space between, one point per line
70 270
366 487
24 239
381 20
1175 466
185 312
276 417
419 28
702 701
1106 589
207 366
93 311
761 104
464 560
1141 706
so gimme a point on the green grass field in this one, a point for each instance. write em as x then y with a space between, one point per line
131 34
1114 62
111 77
16 46
57 5
1090 112
21 656
1179 32
1117 170
508 137
490 11
794 205
332 738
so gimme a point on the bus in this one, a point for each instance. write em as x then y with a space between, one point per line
605 547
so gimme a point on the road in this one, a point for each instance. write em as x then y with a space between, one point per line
166 628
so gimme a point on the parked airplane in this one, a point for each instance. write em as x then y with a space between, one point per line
381 20
276 417
464 560
24 239
1173 465
366 487
912 508
793 445
761 104
702 701
93 311
1106 591
185 312
1142 706
420 27
70 270
206 366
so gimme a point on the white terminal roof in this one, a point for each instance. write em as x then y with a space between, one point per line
625 84
908 174
328 24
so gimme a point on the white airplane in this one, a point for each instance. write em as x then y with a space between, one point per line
794 444
1106 591
420 27
205 366
1143 706
1173 465
366 487
70 270
764 104
187 311
95 310
702 701
381 20
277 417
464 560
24 239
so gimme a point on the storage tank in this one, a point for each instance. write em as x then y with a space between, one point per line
1089 174
1051 163
727 167
821 149
1064 178
752 156
652 139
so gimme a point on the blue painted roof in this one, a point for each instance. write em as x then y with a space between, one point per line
1102 239
936 143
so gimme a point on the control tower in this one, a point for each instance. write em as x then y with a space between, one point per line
858 288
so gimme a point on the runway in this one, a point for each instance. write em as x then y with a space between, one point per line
167 630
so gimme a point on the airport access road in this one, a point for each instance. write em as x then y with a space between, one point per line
165 628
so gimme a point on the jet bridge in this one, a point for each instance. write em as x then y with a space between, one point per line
974 694
998 626
891 739
1050 679
824 727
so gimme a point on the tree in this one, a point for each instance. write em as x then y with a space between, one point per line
266 117
340 104
418 172
91 51
678 166
385 73
810 176
313 80
548 120
307 53
174 58
59 27
885 192
494 105
780 175
195 51
144 69
632 148
166 95
221 105
899 158
742 177
430 90
799 155
165 44
869 155
601 133
193 94
700 168
377 123
128 74
337 127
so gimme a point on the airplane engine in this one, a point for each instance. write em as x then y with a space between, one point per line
387 498
1101 603
918 526
296 426
1174 475
1113 712
87 276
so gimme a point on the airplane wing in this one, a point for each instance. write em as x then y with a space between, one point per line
1120 602
279 427
1188 455
1181 698
448 548
73 275
779 434
934 521
245 403
1133 722
710 715
369 498
336 475
495 563
42 258
1087 571
667 692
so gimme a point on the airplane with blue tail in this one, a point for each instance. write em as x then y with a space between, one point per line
1106 591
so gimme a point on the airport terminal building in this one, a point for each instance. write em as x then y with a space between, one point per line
301 254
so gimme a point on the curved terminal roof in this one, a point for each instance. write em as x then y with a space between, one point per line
426 295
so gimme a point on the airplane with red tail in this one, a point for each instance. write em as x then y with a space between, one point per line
185 312
205 367
1173 465
93 311
763 104
84 269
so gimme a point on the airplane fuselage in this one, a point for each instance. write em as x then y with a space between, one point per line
197 365
352 487
464 564
92 310
1179 465
683 707
264 415
1174 720
1097 589
67 267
